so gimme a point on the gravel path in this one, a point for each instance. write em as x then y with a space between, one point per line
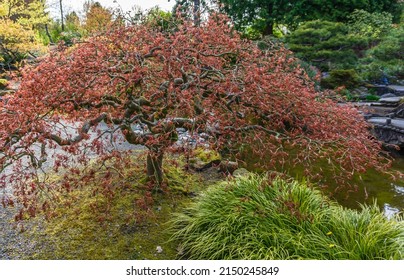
13 244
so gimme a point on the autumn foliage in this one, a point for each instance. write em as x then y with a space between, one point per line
144 84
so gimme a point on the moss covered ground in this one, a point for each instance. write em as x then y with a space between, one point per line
129 224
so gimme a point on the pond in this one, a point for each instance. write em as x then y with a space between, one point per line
389 194
373 186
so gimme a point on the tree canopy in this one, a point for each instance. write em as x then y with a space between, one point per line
263 14
325 44
385 59
144 85
97 18
19 22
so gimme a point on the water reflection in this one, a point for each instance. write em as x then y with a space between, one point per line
389 194
399 189
390 211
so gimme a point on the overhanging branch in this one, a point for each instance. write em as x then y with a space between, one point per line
82 132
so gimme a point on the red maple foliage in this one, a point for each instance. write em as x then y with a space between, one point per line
145 84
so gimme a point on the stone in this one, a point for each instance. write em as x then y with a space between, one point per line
399 111
227 166
159 250
397 89
363 96
240 172
197 164
204 135
363 89
387 95
6 91
392 101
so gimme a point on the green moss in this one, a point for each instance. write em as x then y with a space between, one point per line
178 180
372 97
206 155
347 78
3 83
128 225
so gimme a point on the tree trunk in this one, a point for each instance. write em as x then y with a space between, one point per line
155 167
197 12
269 29
48 34
61 15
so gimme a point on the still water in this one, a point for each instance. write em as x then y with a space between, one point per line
372 187
388 194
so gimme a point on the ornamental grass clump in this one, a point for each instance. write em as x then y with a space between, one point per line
255 218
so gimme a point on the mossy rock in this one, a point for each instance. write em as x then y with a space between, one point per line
206 155
3 83
347 78
240 172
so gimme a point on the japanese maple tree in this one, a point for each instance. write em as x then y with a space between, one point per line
145 84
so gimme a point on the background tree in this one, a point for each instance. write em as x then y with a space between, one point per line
370 26
97 18
195 8
159 19
62 17
261 14
73 20
29 13
326 45
73 29
264 14
20 24
143 85
15 42
341 10
386 59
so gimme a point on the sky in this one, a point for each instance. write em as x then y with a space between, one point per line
77 5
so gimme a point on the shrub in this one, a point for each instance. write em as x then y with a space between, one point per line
372 97
385 59
371 26
253 218
347 78
327 45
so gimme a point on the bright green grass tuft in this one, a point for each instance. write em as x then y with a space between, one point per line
251 218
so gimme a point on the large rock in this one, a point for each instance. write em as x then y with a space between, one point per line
397 89
240 172
227 166
6 91
390 101
399 111
389 135
388 95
